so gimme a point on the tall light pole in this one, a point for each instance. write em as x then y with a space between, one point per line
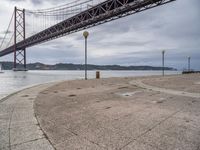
163 62
85 34
189 63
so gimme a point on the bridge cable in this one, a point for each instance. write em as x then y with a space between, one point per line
7 31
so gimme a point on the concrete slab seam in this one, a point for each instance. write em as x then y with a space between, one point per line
150 129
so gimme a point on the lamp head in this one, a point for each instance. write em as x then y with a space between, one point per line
85 34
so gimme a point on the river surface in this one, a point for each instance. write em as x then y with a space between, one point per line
13 81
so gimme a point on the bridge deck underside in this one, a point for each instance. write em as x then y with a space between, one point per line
99 14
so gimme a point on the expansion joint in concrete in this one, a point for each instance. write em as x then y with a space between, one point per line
150 129
9 127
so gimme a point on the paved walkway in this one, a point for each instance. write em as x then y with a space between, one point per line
19 129
139 83
112 114
106 114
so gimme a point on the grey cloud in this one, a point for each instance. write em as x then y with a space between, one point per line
17 0
5 31
122 43
37 1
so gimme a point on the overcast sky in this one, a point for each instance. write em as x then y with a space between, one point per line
134 40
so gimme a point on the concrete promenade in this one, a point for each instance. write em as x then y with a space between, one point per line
19 128
143 113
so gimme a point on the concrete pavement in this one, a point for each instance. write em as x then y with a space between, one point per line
19 128
112 114
150 113
140 83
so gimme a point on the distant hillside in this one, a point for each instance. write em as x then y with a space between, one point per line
61 66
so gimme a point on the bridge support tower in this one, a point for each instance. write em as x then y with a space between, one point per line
19 35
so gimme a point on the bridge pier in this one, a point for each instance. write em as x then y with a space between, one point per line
19 35
20 60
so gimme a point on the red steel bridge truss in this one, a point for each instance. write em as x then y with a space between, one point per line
78 19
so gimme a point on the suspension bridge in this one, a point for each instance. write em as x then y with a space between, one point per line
28 28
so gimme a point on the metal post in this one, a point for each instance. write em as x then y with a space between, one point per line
15 47
189 63
163 62
85 34
86 58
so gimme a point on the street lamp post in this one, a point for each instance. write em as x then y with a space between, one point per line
189 63
163 62
85 34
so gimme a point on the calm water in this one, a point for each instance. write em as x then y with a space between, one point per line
13 81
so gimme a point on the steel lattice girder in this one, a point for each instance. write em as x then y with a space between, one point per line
99 14
19 35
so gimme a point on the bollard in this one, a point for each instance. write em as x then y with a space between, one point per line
97 75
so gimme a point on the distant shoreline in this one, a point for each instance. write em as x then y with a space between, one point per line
70 66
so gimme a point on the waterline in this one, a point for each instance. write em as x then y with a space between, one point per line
14 81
